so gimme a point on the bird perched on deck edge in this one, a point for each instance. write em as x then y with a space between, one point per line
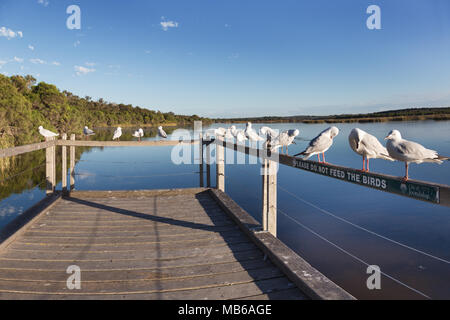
367 146
409 151
320 144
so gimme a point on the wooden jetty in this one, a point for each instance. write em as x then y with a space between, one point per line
167 244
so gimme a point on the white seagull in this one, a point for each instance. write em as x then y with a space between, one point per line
285 139
320 144
47 133
409 151
229 135
240 136
117 134
161 132
88 132
251 134
367 146
234 131
138 134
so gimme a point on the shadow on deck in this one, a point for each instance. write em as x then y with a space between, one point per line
161 244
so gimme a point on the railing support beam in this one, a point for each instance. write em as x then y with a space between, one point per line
64 165
72 164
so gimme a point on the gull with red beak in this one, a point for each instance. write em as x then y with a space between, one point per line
320 144
409 151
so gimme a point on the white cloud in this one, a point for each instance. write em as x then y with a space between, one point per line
37 61
45 3
9 34
30 47
168 24
90 64
16 59
2 62
76 43
80 71
56 63
148 51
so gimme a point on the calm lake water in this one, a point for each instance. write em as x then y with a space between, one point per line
339 228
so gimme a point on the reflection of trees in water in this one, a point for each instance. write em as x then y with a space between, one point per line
27 171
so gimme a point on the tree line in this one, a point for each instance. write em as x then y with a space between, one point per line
25 105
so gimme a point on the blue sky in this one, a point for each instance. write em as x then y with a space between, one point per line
235 58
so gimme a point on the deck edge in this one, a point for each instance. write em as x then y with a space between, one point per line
308 279
133 193
22 223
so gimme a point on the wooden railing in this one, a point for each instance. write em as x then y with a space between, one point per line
420 190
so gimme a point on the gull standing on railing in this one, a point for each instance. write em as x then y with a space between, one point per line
117 134
270 135
162 133
409 151
285 139
320 144
138 134
88 132
47 133
367 146
251 134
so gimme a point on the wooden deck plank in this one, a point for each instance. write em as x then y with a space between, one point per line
147 285
235 291
206 252
165 244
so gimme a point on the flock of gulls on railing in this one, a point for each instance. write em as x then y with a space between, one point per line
360 141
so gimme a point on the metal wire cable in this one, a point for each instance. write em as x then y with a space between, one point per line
345 251
351 255
362 228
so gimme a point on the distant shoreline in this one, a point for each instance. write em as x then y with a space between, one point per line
419 114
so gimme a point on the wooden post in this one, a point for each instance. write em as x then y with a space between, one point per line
72 164
50 167
220 167
64 165
200 155
208 165
264 194
272 198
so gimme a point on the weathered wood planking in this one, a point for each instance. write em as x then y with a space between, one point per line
415 189
307 278
158 244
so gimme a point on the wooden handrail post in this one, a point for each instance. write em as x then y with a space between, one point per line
220 167
72 164
50 167
64 165
208 165
200 155
264 193
272 198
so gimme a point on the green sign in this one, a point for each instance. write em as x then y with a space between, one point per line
410 189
